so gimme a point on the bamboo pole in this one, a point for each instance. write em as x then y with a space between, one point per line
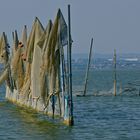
63 74
115 72
13 35
88 66
71 121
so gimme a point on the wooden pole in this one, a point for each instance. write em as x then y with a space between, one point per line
115 72
13 35
71 121
88 66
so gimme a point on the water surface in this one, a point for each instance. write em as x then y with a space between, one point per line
96 117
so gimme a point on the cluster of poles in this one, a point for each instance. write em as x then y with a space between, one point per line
128 89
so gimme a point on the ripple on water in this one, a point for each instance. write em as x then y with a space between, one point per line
96 117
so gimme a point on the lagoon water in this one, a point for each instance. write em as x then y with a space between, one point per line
100 117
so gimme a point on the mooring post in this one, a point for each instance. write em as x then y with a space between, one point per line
115 72
71 121
88 66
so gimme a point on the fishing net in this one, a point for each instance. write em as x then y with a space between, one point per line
35 35
36 61
20 74
44 77
3 76
4 49
35 72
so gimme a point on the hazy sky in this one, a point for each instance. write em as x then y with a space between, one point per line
112 23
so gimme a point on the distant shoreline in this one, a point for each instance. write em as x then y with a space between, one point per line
105 55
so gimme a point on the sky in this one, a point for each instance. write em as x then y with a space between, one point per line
114 24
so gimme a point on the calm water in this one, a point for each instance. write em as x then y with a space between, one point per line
96 117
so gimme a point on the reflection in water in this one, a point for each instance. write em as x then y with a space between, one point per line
22 123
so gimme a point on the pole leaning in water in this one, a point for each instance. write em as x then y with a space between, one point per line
88 66
69 120
114 72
